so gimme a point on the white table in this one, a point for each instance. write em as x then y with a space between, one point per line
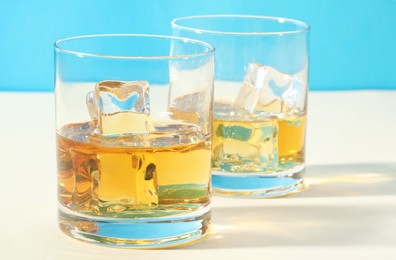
349 211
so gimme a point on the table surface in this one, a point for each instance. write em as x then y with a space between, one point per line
348 211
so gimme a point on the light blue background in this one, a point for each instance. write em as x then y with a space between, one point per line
353 42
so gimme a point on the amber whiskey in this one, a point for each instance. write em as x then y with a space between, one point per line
151 175
260 143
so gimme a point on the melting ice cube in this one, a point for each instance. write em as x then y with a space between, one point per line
92 105
122 107
134 183
122 180
189 107
120 96
267 89
294 97
243 147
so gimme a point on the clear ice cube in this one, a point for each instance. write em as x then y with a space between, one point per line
92 105
190 108
247 147
119 111
265 89
133 184
122 107
294 97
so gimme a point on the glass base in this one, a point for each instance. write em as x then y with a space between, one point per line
254 185
164 232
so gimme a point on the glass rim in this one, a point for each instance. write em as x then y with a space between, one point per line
280 20
210 51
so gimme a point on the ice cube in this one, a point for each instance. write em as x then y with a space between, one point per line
191 108
92 105
123 107
126 180
147 185
246 146
256 86
265 89
294 97
187 108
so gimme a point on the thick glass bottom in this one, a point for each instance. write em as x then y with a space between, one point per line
163 232
255 185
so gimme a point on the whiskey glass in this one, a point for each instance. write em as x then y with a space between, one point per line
134 127
261 86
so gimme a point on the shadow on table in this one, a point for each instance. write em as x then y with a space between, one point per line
304 220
